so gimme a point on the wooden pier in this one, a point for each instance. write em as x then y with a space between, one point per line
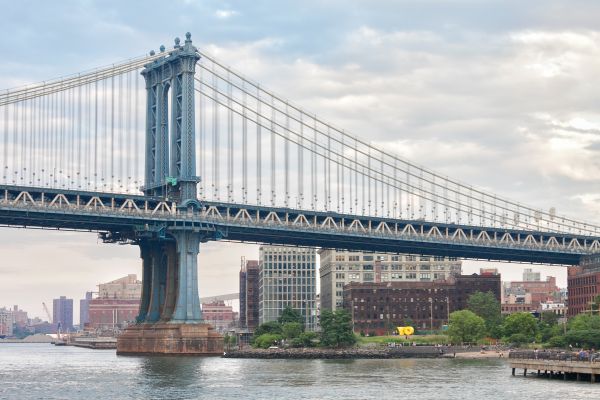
556 365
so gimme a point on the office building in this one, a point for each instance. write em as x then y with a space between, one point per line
339 268
287 277
62 313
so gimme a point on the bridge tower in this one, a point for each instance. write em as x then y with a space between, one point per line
170 318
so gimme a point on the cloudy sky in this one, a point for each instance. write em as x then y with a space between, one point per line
500 94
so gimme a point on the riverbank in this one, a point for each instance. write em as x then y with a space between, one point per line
360 353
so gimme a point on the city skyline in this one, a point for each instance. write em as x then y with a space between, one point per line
503 105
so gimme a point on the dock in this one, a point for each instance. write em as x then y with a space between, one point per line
556 365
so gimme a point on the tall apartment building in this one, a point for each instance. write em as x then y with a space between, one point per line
287 277
84 310
339 268
62 313
249 288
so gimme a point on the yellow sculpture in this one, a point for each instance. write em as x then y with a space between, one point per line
405 330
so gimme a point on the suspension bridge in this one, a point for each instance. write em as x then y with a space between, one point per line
174 148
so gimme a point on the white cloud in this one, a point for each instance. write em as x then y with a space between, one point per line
225 14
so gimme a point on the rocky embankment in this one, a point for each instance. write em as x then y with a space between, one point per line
348 353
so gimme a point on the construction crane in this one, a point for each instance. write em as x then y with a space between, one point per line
47 312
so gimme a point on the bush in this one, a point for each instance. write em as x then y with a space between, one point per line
465 327
266 340
305 339
291 330
557 341
519 338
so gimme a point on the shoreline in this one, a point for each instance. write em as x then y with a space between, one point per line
363 353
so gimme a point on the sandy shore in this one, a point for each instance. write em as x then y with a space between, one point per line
483 354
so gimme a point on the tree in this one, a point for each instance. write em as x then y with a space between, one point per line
267 340
487 307
465 327
549 318
584 322
291 330
336 329
521 323
290 315
272 327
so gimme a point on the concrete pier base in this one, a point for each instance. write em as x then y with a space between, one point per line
195 339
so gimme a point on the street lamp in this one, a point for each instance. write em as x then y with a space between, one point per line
430 314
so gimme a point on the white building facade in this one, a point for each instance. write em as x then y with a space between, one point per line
287 277
339 268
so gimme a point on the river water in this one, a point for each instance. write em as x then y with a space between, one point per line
43 371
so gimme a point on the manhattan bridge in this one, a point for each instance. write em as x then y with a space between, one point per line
173 149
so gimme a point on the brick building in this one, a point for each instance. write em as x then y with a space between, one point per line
528 295
117 304
379 307
219 315
583 285
249 274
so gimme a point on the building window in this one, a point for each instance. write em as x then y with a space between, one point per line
353 258
368 277
339 257
367 258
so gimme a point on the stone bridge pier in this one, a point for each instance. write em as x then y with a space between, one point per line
170 318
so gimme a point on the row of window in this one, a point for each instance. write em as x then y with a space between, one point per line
398 267
370 276
386 257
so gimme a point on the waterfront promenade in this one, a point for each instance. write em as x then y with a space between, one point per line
556 364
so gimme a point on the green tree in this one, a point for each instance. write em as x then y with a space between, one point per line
487 307
465 327
521 323
336 329
305 339
272 327
267 340
291 330
549 318
584 322
288 314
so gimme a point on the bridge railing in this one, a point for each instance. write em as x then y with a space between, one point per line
288 219
555 355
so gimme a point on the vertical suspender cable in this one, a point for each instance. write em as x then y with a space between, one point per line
245 149
286 148
136 167
229 139
96 135
258 150
300 204
273 158
215 129
112 133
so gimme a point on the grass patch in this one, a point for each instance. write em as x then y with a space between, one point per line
418 339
